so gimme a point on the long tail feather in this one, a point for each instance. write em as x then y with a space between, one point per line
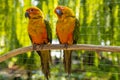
67 61
45 61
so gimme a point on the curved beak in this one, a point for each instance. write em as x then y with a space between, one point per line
59 12
27 15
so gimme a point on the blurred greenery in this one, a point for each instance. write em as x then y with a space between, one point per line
100 25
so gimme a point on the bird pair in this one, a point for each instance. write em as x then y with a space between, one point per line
67 30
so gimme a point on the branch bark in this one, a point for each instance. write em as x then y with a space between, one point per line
87 47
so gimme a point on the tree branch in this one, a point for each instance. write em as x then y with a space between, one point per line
58 47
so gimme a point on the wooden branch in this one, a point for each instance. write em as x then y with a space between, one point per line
58 47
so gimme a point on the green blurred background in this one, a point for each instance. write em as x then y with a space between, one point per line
100 25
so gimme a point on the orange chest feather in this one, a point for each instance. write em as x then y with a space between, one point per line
65 30
37 31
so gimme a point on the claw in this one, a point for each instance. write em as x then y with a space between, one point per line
34 46
66 46
41 46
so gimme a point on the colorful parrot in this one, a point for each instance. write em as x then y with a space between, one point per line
67 30
40 33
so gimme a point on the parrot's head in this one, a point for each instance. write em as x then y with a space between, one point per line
33 13
63 11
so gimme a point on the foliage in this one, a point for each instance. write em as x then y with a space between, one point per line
99 21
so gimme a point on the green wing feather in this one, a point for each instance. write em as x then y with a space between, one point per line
76 33
49 31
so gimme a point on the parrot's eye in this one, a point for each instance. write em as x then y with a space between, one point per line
31 10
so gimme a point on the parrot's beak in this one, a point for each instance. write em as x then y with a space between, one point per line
59 12
27 15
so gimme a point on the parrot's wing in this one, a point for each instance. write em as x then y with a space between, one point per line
49 31
76 32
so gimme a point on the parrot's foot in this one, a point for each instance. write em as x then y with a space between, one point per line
66 46
41 46
34 46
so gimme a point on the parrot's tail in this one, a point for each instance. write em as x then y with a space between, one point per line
45 62
67 61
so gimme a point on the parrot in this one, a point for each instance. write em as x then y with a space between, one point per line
40 33
67 31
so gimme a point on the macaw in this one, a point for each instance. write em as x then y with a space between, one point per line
40 33
67 30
